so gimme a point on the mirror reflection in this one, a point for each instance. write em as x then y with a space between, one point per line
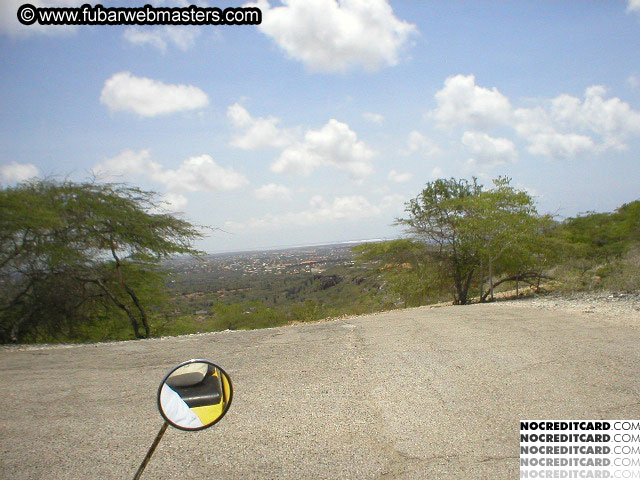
195 395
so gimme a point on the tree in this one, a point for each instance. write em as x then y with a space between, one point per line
402 266
507 230
435 217
72 253
466 229
405 266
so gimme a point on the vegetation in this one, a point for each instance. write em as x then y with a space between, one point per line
88 262
465 236
405 267
73 255
211 296
602 250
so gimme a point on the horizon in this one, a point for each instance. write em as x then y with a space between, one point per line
382 239
321 122
278 248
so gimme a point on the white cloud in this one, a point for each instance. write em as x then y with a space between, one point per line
151 37
373 117
174 202
462 102
16 172
633 80
633 5
536 126
349 207
567 126
149 98
129 162
612 119
272 191
331 36
334 145
258 132
532 121
181 37
436 172
394 203
320 211
559 145
10 25
487 150
399 177
563 127
199 173
417 142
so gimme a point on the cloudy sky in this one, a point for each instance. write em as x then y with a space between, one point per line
317 125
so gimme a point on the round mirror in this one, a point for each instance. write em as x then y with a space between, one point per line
195 395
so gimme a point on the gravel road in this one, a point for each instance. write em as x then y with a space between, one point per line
411 394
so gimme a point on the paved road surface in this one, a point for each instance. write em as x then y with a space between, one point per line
414 394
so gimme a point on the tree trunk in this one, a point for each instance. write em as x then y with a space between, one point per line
122 306
467 285
462 288
529 277
143 314
481 281
457 297
134 297
15 330
491 277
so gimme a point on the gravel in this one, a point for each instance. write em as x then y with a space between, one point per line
610 304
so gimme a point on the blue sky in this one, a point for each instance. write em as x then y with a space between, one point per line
318 125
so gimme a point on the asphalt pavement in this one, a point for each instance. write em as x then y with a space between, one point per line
424 393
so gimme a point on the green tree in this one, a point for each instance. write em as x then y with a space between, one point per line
467 229
508 232
435 217
406 268
527 260
72 253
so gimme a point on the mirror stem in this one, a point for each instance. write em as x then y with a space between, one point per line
151 450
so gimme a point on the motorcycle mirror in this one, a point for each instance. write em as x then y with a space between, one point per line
195 395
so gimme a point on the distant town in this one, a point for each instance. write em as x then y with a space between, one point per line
246 289
296 260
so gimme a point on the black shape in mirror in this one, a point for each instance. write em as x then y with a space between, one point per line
195 395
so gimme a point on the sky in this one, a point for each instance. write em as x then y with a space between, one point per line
317 125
